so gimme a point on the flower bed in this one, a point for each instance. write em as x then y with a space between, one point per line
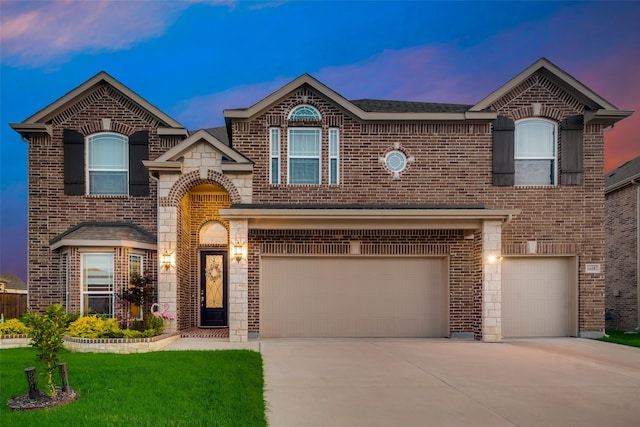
119 345
14 341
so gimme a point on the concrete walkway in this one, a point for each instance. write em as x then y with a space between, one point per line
427 382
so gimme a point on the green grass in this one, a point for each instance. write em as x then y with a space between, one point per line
174 388
617 337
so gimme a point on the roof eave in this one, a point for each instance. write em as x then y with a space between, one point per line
635 179
606 117
27 129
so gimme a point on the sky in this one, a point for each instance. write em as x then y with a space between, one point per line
192 59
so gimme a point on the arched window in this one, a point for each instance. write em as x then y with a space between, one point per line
304 112
213 233
108 164
535 152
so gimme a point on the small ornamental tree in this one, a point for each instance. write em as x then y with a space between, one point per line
140 288
46 333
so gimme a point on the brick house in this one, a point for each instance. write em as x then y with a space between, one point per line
622 215
310 215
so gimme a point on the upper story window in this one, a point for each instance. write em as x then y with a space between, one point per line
304 155
535 152
274 156
108 164
334 156
304 112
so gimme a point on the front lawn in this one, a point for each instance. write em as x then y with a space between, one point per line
618 337
173 388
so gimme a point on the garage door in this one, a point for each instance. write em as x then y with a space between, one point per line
353 297
538 297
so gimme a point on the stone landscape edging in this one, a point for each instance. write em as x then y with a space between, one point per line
99 345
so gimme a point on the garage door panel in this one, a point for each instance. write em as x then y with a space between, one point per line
537 297
352 297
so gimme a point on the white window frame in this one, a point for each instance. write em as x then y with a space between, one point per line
90 168
110 286
334 155
553 157
141 272
318 157
275 137
315 114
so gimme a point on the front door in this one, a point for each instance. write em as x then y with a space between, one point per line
213 288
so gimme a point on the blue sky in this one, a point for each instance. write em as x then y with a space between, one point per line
192 59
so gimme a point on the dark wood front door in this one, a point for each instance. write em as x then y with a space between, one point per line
213 288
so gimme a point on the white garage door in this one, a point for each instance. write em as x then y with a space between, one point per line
353 297
538 297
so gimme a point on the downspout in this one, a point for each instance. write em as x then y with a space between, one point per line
635 182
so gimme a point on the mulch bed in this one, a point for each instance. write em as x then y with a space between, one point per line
43 401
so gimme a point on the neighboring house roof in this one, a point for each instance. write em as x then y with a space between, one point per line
364 109
105 234
598 109
13 281
626 174
37 123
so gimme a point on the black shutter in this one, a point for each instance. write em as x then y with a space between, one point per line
73 143
138 174
503 151
571 152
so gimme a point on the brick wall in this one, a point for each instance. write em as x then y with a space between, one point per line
452 166
51 212
621 225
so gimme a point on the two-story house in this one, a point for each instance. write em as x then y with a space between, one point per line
310 215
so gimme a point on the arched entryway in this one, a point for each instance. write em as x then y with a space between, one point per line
203 262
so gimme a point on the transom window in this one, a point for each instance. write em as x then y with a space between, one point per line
535 152
97 283
304 156
108 164
304 112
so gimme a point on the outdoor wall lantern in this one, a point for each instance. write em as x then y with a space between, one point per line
237 251
166 260
494 258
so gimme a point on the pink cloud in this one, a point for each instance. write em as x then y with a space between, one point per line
34 33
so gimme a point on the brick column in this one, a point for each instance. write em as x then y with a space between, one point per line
491 281
238 283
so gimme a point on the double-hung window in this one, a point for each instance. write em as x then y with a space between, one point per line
135 268
97 283
304 156
535 157
274 147
334 156
108 164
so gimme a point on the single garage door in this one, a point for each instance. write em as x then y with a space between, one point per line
538 297
353 297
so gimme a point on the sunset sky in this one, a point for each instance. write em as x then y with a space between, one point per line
192 59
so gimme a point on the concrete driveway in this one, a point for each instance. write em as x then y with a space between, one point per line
424 382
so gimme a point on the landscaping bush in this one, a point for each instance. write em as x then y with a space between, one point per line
13 327
95 327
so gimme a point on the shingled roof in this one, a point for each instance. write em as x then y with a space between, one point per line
623 175
384 106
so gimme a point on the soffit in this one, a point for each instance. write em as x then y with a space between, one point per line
105 234
366 217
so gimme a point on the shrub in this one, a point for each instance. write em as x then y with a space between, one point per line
95 327
155 324
131 333
13 327
46 335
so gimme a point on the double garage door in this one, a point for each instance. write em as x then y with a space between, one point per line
353 297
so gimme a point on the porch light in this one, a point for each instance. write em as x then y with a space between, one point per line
494 258
237 251
166 260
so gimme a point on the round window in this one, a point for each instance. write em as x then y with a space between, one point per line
396 161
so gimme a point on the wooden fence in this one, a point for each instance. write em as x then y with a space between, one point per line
13 305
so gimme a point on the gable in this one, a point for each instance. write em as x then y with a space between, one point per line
596 109
99 88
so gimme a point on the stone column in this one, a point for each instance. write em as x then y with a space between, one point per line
238 282
168 277
491 281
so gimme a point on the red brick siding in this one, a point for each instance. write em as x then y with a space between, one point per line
51 212
621 224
